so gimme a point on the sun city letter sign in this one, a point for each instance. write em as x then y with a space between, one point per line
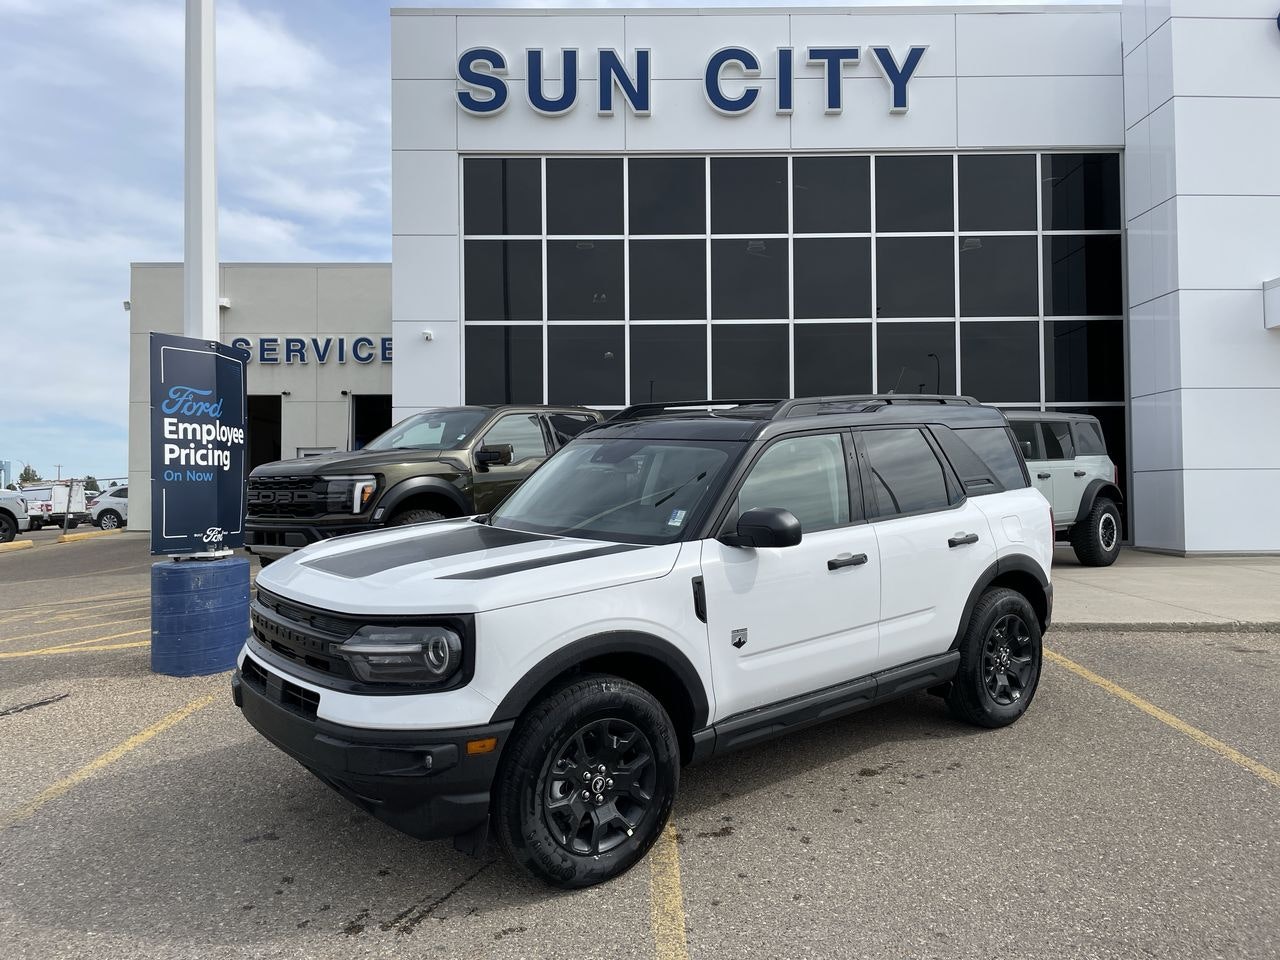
482 69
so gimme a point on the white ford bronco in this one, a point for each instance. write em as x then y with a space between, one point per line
676 582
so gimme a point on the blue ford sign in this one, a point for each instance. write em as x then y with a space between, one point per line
482 71
197 445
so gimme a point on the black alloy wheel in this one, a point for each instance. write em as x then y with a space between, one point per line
1009 661
599 787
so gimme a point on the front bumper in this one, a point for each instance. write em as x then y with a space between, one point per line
279 538
422 782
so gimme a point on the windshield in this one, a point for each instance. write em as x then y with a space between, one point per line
445 429
637 491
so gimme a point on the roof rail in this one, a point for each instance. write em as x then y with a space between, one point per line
816 406
640 411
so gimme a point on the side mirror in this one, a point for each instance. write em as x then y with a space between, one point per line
765 527
498 454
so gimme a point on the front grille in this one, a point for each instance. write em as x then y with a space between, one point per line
301 635
335 626
289 695
286 497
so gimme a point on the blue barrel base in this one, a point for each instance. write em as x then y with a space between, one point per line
199 615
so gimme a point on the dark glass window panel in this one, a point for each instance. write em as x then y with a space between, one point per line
748 194
504 364
913 194
586 365
832 358
584 196
667 195
1083 360
995 449
584 280
502 196
1081 191
1082 276
749 279
1088 436
503 279
1027 433
999 277
832 194
1000 361
1056 436
668 280
749 361
807 476
906 476
668 362
1112 420
915 277
998 192
523 431
833 277
916 357
566 426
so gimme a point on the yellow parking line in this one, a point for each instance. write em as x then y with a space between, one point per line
667 898
50 633
1168 719
96 611
130 595
80 646
100 763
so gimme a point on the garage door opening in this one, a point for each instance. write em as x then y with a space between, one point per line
264 429
370 416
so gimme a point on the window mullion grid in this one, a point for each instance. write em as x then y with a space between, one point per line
955 257
791 280
626 281
875 302
1040 273
462 285
706 226
546 328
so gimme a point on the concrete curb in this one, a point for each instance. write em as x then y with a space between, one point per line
1175 626
13 545
88 535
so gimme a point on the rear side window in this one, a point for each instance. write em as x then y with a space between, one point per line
1089 442
906 476
566 426
1057 440
984 458
1025 433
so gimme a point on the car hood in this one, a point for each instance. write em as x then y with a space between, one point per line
344 462
457 567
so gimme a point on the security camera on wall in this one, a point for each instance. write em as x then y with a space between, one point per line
428 335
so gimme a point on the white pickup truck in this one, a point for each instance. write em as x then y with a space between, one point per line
56 504
13 515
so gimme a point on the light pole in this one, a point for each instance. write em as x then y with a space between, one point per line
937 373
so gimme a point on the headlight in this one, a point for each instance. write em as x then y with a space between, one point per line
349 494
416 654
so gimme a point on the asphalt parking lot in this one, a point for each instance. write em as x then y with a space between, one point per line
1131 813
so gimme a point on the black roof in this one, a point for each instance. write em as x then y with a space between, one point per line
749 419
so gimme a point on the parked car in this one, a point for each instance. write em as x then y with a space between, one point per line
56 504
448 462
672 584
110 508
1067 456
13 515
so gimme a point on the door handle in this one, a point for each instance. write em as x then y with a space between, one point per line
1079 473
847 560
962 540
1043 476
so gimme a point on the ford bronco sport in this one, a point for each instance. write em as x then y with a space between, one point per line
674 583
448 462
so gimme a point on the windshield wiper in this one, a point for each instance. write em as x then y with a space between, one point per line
667 495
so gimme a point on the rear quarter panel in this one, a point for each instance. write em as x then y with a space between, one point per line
1021 524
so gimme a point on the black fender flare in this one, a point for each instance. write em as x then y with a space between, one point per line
418 485
1095 489
603 644
1013 563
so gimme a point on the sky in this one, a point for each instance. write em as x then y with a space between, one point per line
91 180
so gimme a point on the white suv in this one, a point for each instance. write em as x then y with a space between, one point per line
1067 457
110 508
674 583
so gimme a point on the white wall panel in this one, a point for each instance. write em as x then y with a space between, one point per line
424 115
1158 11
424 184
1156 510
1216 521
1159 66
435 364
1222 9
270 297
1225 58
900 33
1252 128
1028 44
423 48
1135 86
1221 330
353 298
682 44
1232 429
866 122
683 120
425 278
1133 23
1138 242
1154 347
518 127
1157 431
1137 169
1059 111
1228 242
1163 157
1163 224
514 35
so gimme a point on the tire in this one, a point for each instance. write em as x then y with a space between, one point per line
72 524
408 517
34 525
8 528
1003 631
554 740
1096 538
110 520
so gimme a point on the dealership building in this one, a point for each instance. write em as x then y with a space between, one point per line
1058 206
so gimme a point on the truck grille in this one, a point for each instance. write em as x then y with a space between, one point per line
286 497
301 634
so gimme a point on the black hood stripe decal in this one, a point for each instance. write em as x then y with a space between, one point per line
488 573
471 538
